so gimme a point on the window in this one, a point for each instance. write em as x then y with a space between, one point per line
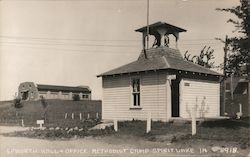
84 96
136 92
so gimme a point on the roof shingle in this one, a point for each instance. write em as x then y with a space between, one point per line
158 59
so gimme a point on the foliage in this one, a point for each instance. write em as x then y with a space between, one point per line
17 102
44 102
203 59
238 47
76 97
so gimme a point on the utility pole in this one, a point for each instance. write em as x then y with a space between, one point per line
147 32
225 56
147 22
225 64
224 75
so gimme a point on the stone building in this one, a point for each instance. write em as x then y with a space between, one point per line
32 91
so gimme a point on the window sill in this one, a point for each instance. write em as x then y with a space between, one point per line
135 108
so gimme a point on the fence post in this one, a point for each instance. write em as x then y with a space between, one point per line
148 122
239 114
193 121
115 125
22 123
66 115
80 115
72 116
240 108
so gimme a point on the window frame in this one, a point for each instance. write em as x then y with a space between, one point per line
132 93
85 96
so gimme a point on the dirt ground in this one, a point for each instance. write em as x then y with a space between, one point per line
111 145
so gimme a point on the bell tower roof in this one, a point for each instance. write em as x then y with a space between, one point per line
170 29
161 32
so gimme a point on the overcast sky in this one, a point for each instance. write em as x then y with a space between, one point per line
69 42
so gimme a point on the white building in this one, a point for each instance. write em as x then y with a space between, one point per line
160 82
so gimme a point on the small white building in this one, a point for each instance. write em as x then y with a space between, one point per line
160 82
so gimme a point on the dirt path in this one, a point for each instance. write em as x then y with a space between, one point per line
90 146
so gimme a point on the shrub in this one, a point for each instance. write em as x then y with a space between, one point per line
17 102
44 102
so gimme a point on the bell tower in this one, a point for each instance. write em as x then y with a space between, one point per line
161 32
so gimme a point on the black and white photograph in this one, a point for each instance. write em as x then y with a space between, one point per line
116 78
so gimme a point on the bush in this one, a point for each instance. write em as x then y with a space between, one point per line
76 97
17 102
44 102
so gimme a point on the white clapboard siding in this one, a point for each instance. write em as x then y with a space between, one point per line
117 97
203 94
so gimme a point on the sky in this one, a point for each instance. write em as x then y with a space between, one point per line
70 42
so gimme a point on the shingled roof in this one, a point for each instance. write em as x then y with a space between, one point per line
54 88
169 27
161 58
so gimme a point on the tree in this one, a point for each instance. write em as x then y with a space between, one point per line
238 47
203 59
17 102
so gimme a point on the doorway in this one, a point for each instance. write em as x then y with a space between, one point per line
175 97
25 95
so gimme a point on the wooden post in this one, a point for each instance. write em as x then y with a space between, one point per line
66 115
72 116
231 86
80 115
193 121
240 108
239 114
22 123
148 122
147 23
224 77
115 125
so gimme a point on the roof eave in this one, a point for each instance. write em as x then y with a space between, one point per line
143 29
102 75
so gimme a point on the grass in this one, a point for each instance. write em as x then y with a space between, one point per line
219 130
213 130
33 110
229 130
227 123
208 132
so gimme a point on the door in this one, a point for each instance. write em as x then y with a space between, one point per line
25 95
175 97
